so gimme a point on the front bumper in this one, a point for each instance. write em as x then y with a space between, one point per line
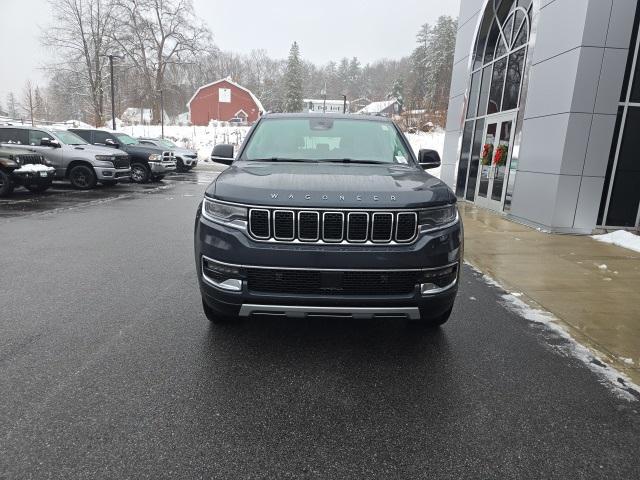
28 179
160 168
189 162
112 174
431 251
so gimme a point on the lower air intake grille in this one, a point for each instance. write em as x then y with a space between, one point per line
315 282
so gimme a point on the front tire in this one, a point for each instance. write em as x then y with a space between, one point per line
6 185
215 317
140 173
83 177
37 188
180 166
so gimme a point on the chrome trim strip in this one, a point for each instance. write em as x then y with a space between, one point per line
366 236
413 313
234 286
415 227
268 223
328 209
436 291
293 225
424 269
336 240
373 226
317 237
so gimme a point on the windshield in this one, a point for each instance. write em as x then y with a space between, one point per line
126 139
326 139
167 143
69 138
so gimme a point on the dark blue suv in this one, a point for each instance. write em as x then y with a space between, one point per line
328 215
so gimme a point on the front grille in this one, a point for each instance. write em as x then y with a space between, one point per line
331 282
122 162
333 226
31 159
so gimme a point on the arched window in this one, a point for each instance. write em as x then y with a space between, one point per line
497 67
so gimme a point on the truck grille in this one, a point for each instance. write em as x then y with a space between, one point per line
330 282
332 226
122 162
31 159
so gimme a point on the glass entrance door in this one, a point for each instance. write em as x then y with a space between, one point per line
495 156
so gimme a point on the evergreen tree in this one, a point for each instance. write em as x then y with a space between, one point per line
293 81
397 92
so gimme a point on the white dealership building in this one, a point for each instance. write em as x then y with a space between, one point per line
544 112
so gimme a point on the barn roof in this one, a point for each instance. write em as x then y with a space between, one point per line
228 80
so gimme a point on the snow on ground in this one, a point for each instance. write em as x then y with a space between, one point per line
616 381
621 238
431 140
201 139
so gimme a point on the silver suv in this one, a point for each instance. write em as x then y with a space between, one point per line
82 164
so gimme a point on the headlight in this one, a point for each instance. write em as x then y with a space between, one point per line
104 161
155 157
437 217
17 159
222 211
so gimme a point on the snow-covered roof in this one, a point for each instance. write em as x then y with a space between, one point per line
228 80
377 107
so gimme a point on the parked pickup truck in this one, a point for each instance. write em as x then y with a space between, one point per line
328 215
186 159
74 159
28 169
148 163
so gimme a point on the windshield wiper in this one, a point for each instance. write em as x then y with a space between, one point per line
351 160
278 159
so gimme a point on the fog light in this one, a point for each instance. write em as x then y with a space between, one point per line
226 277
107 173
436 281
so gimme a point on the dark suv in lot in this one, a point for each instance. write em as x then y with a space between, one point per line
328 215
148 162
23 168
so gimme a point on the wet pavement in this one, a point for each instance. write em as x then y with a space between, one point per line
109 369
591 286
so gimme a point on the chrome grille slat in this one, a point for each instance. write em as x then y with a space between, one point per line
333 226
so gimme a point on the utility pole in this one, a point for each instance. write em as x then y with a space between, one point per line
344 104
162 111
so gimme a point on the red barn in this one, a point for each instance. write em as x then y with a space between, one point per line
223 100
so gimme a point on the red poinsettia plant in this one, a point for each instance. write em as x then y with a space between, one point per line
487 152
500 158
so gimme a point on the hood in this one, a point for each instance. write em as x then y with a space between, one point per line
145 149
327 185
96 149
184 151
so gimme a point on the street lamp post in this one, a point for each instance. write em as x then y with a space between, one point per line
113 89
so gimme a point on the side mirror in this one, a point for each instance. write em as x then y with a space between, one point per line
428 159
222 153
110 143
49 142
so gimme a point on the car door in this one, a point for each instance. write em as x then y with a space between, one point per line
54 154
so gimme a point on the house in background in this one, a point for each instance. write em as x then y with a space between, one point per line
223 100
323 106
358 104
544 112
386 108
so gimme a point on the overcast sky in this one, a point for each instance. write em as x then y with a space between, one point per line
325 30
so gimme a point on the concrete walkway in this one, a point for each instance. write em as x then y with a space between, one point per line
594 288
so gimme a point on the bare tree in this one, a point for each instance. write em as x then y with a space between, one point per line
156 34
12 105
79 35
29 101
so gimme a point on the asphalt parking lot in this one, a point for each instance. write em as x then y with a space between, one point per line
109 369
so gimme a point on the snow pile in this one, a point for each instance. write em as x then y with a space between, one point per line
33 167
430 140
621 238
618 382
